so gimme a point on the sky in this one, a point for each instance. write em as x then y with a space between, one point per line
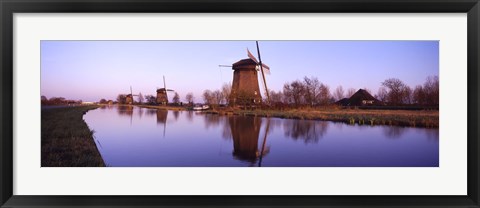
92 70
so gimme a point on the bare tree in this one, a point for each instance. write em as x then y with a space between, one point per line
419 96
189 97
324 95
382 94
122 98
396 91
208 97
311 88
431 88
276 97
339 94
294 92
176 98
226 91
407 95
218 97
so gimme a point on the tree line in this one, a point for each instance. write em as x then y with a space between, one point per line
311 92
58 101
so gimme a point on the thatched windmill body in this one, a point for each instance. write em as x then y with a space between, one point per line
162 96
245 79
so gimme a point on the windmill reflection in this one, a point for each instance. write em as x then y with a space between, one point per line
245 133
126 110
162 119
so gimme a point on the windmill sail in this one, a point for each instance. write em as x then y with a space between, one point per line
263 71
266 69
250 55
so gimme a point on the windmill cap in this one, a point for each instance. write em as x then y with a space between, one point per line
244 62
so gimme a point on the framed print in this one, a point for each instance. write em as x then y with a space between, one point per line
215 103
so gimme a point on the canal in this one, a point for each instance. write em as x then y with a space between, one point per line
129 136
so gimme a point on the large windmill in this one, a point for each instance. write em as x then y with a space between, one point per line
129 97
245 79
162 97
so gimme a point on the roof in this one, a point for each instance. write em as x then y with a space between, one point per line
343 101
357 99
244 62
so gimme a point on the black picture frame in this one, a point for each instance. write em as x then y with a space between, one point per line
9 7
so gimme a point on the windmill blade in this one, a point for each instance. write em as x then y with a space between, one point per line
262 70
164 84
263 86
170 90
250 55
266 68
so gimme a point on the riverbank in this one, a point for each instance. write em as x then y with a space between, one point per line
408 118
66 139
426 119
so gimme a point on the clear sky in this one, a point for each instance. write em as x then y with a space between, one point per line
92 70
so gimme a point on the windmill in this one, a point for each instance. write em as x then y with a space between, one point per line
129 97
245 79
162 97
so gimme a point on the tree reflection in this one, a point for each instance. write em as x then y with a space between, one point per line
211 120
150 112
190 116
226 131
394 132
140 112
309 131
176 114
432 134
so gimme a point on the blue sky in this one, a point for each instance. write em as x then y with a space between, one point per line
92 70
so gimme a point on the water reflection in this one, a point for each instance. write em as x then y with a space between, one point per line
176 114
245 132
125 110
307 130
394 132
129 136
162 116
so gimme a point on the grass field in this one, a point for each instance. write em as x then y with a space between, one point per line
66 139
417 118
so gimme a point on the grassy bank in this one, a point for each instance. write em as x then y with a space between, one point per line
66 139
428 119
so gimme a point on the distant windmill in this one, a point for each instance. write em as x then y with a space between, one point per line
162 97
129 98
245 78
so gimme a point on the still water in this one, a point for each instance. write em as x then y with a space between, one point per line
129 136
